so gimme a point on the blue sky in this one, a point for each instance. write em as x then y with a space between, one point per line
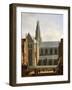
51 25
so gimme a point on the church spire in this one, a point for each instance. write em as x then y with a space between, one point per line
37 34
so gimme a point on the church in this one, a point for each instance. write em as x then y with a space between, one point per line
36 52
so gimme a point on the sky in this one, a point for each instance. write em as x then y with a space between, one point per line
51 25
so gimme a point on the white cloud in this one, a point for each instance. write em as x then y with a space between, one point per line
53 35
51 25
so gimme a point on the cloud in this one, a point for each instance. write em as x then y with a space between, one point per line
53 35
51 25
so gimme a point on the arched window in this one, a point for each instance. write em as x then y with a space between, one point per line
44 61
46 51
41 51
51 51
50 62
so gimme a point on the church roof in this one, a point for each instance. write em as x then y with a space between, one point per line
29 38
49 44
37 34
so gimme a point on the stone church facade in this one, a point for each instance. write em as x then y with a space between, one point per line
36 52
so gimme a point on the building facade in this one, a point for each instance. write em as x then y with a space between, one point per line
24 51
30 51
35 52
49 53
60 59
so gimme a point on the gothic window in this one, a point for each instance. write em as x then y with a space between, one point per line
44 61
51 51
29 45
30 57
46 51
50 62
41 52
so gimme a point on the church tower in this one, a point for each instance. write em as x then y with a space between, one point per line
37 44
37 34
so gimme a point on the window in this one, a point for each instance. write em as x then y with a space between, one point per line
30 57
29 45
55 62
46 51
50 62
55 51
44 61
41 52
51 51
